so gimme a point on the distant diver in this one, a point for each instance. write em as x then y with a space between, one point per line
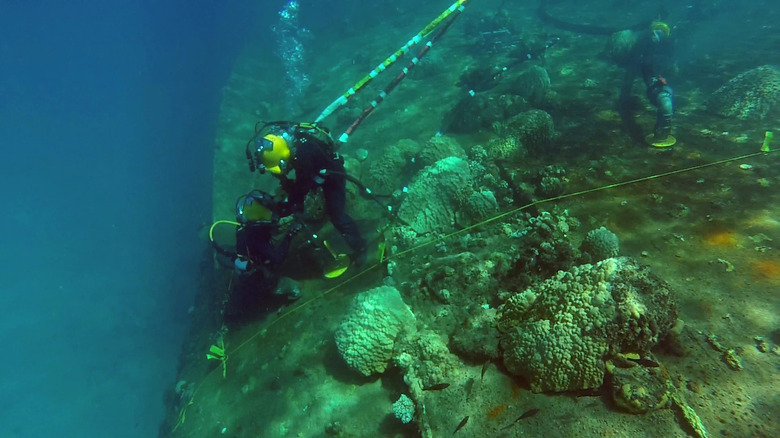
649 54
645 49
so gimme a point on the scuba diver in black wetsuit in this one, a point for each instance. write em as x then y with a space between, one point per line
257 257
258 215
303 157
642 50
261 248
649 54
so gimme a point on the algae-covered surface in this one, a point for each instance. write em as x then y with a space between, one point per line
705 226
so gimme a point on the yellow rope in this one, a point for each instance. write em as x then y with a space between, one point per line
580 193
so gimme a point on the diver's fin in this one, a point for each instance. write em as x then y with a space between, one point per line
334 268
669 141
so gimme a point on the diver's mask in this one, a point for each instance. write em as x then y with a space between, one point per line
255 208
660 31
270 149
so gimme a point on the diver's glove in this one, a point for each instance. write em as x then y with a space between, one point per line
295 226
319 179
289 288
243 266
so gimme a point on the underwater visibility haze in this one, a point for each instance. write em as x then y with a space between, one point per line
107 124
528 218
470 218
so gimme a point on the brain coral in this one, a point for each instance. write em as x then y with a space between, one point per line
754 94
438 147
384 172
533 84
601 244
367 334
433 195
506 148
533 129
558 334
477 206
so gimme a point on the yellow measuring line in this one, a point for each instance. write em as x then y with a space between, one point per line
398 54
455 233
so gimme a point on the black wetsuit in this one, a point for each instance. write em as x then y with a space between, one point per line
312 157
255 242
650 59
256 287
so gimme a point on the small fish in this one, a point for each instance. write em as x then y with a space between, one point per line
468 386
645 361
485 367
436 387
586 393
527 414
461 424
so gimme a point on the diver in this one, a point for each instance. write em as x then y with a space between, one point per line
648 54
257 257
303 157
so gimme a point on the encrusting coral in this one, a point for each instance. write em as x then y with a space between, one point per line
533 129
558 333
385 171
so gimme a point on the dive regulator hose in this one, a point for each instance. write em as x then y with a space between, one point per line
588 29
220 250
